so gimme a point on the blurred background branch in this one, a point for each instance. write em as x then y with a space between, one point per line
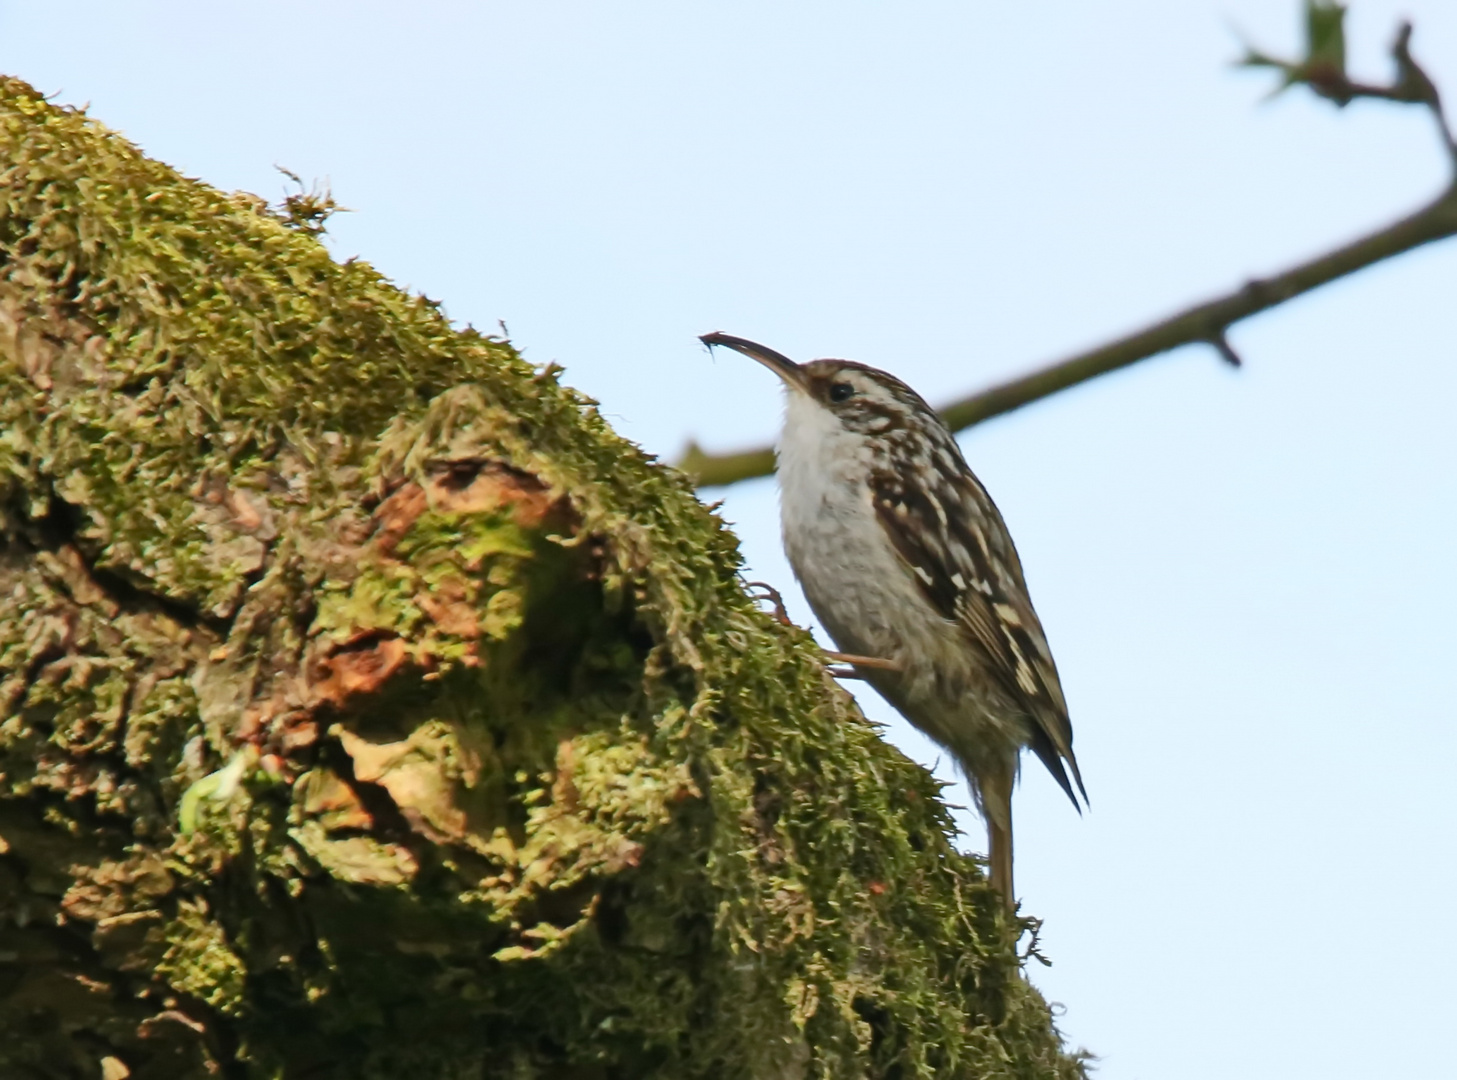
1323 70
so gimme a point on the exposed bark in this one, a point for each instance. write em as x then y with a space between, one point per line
368 708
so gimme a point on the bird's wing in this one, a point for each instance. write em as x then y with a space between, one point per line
953 541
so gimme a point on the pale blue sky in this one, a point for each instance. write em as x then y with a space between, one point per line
1246 576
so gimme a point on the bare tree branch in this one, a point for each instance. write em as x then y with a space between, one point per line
1323 70
1208 322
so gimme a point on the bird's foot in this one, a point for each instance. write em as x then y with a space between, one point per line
862 661
770 594
856 662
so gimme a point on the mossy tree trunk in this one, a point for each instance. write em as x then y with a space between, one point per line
368 708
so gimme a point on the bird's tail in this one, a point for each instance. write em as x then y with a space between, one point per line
996 807
999 839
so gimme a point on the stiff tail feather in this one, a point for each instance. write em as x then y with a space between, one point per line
994 785
1000 857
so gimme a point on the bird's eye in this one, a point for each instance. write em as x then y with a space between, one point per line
841 391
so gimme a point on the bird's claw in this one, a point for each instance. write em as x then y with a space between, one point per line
852 662
771 594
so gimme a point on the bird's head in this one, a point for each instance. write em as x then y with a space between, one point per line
860 399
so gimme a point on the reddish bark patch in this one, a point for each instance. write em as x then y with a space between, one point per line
397 514
450 609
362 665
327 797
483 487
297 731
357 669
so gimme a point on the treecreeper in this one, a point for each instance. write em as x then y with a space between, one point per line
907 563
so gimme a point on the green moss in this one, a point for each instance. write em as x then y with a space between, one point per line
531 788
199 962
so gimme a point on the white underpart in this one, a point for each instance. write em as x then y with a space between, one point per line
830 531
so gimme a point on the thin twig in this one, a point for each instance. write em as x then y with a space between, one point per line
1207 323
1226 350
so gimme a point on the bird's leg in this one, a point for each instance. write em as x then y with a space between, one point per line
771 594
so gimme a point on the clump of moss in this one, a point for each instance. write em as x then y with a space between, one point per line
369 708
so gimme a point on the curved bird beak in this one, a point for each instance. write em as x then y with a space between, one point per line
781 365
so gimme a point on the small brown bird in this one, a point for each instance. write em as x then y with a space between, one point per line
907 563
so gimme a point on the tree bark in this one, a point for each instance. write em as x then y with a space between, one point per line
368 708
